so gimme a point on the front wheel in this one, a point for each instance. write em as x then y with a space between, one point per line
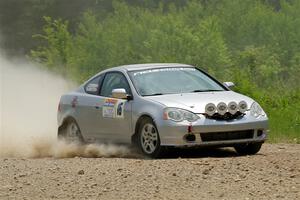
248 149
148 139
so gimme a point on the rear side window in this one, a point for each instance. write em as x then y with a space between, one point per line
93 86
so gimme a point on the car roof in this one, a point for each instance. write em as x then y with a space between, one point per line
134 67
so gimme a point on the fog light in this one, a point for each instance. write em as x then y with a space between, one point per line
259 133
222 108
210 109
243 106
232 107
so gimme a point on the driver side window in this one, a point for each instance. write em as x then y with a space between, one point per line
114 80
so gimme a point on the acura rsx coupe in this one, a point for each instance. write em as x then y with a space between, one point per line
156 106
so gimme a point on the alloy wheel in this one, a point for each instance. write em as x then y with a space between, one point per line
149 138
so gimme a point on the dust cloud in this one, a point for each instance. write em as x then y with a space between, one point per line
29 98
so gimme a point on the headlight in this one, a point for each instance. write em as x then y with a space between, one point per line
178 115
256 110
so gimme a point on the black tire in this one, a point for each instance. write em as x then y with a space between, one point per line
144 125
248 149
65 134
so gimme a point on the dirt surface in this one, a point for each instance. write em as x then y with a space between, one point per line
274 173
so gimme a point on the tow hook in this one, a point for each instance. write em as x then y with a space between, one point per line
190 137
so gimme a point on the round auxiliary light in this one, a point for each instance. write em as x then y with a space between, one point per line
222 108
210 109
232 107
243 106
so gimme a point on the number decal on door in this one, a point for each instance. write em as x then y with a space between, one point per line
113 108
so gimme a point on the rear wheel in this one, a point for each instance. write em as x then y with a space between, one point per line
248 149
70 132
148 139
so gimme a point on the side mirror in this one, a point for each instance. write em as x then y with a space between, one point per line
229 85
119 93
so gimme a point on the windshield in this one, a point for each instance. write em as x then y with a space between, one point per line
172 81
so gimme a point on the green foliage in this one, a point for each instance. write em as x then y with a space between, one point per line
55 53
19 20
247 41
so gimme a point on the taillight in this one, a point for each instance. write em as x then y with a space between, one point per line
59 107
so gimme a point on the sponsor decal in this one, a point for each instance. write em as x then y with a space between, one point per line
120 109
92 87
164 70
74 101
113 108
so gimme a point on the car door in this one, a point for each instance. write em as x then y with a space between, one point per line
115 115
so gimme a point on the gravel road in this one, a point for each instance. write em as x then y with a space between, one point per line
274 173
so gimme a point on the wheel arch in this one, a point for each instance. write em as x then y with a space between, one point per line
137 125
64 124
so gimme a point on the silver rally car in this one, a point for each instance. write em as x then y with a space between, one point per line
156 106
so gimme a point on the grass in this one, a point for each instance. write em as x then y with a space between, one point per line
284 125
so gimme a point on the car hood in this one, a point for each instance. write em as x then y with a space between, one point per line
196 102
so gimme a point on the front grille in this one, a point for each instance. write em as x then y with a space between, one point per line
233 135
226 116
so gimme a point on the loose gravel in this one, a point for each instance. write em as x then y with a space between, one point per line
274 173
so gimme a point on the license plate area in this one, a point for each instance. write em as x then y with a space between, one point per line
229 135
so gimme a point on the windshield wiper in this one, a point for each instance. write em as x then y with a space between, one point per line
155 94
207 90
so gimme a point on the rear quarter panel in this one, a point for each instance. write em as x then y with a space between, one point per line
66 107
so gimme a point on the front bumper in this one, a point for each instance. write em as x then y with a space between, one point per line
245 130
